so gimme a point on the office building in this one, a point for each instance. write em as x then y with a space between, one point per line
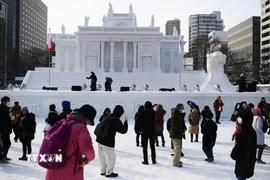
265 35
26 29
170 26
200 25
245 37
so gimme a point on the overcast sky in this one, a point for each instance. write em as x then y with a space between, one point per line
72 13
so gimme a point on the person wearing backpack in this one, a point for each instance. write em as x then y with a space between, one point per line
26 131
78 150
193 128
105 132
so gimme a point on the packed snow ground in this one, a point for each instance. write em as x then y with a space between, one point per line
129 157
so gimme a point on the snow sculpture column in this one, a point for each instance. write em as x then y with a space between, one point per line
135 57
102 43
158 57
125 69
112 57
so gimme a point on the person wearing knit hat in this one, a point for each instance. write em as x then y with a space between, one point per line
258 127
106 132
25 108
65 111
66 104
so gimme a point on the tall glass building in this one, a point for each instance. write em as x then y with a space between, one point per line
26 24
3 41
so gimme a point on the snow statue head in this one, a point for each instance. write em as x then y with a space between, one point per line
215 73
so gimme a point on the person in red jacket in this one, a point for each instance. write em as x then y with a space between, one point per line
218 106
79 148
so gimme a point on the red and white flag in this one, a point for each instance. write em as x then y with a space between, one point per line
49 42
180 47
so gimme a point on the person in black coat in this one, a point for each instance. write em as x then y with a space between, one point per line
209 131
26 131
5 126
65 111
177 132
108 84
52 116
203 113
146 121
93 78
136 125
107 112
106 144
246 142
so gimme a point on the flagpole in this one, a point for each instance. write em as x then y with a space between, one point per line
180 62
49 68
180 71
49 46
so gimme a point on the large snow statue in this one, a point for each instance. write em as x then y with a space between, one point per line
215 74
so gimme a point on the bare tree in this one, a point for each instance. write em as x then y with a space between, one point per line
32 58
241 61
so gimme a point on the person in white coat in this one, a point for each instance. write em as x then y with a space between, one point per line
257 126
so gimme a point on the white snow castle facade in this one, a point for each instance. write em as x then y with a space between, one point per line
118 46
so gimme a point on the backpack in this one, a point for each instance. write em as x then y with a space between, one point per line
194 120
102 129
52 150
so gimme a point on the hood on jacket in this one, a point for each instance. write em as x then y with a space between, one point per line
206 108
191 104
148 105
118 111
140 109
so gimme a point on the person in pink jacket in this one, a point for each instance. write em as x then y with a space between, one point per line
79 146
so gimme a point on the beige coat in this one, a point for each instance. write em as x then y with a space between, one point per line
193 129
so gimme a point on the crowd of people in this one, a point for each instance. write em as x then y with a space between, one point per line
251 125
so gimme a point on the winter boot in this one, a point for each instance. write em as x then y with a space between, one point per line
197 136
